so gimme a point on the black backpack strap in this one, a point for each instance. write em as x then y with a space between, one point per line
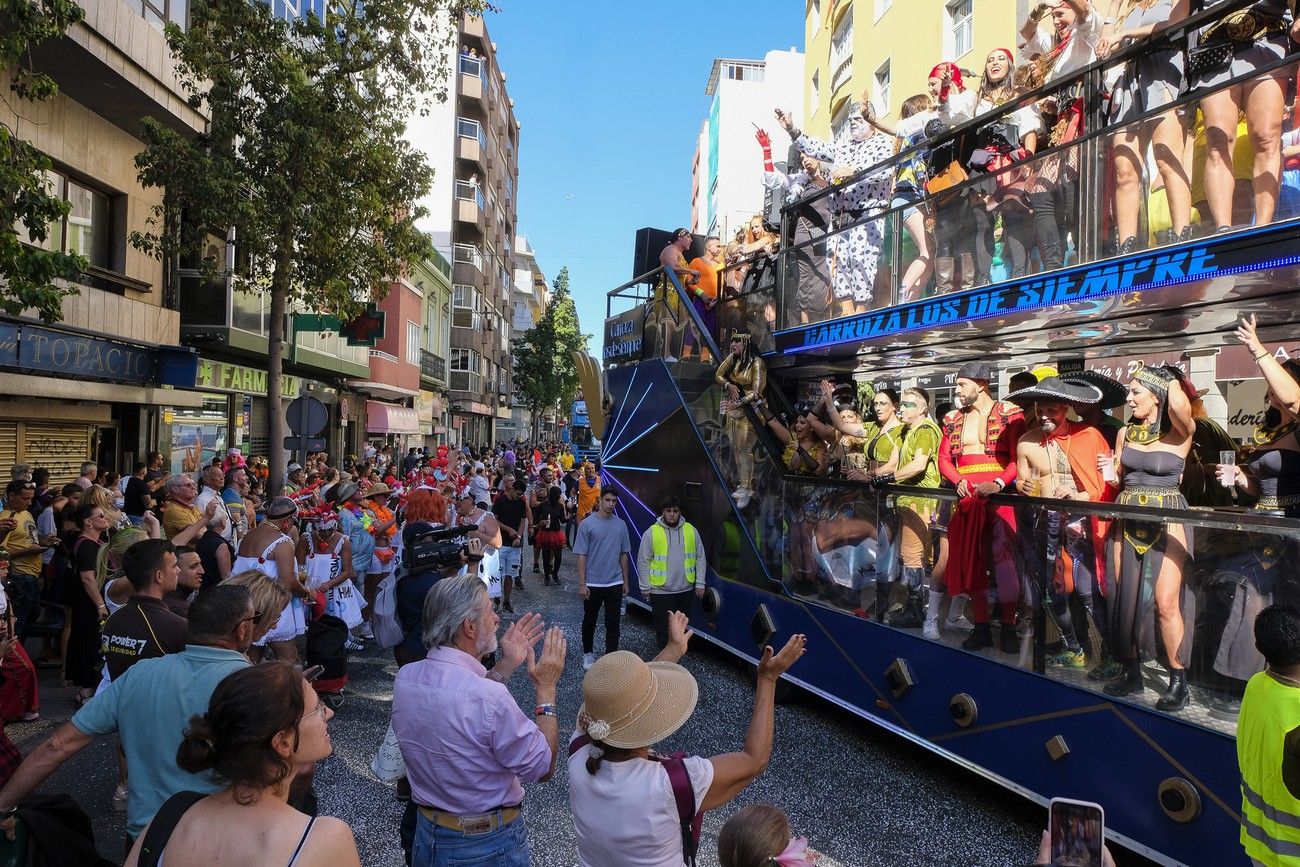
163 824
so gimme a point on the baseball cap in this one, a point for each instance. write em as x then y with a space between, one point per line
294 467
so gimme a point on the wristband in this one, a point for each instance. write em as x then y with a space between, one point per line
1001 484
1261 355
545 710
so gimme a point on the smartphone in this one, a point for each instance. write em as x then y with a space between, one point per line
761 626
1078 830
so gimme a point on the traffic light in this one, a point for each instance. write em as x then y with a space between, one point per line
366 329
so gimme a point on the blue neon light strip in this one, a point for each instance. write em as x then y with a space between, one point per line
626 422
628 491
632 469
1100 280
611 435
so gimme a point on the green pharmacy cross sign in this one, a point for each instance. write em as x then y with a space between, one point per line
366 329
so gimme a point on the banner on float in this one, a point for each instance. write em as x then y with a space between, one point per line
1135 274
624 335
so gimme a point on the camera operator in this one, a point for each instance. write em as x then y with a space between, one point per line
456 555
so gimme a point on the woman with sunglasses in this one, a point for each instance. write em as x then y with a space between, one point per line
264 726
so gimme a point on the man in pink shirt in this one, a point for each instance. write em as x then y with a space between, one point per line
468 747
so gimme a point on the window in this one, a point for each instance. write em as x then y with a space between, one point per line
467 127
467 254
840 120
471 66
961 28
413 330
469 192
465 370
466 305
881 93
814 93
842 52
88 227
742 71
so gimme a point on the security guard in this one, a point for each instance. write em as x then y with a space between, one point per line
1268 743
669 565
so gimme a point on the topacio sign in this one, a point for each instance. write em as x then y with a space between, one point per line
35 348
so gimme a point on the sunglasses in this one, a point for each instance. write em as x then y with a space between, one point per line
256 618
909 404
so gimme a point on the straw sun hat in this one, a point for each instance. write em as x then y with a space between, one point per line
629 703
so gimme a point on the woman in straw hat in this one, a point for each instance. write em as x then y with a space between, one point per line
622 794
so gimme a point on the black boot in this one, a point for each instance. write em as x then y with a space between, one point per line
884 590
913 612
1175 697
980 637
1132 681
1007 638
1128 245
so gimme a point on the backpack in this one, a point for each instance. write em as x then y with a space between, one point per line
683 794
383 619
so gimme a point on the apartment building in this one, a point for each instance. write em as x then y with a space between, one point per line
472 142
726 193
433 278
529 299
887 47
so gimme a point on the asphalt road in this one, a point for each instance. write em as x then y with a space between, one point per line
862 795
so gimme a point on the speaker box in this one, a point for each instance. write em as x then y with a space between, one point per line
649 244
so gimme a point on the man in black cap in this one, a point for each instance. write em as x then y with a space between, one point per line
1059 459
673 258
977 455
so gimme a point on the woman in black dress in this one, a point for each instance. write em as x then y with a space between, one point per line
83 602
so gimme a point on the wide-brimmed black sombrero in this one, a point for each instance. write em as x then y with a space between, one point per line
1055 388
1113 392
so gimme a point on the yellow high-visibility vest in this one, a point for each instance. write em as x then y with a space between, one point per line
659 553
1270 814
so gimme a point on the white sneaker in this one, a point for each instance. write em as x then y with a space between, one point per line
960 623
930 629
670 359
366 632
743 500
588 660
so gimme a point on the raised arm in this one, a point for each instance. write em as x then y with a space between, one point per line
1285 388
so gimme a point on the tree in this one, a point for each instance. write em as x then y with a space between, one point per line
305 157
544 373
29 273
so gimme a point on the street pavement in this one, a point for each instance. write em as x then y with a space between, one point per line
862 796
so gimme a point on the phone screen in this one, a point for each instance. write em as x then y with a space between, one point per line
1077 833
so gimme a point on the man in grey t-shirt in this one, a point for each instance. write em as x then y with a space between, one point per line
603 548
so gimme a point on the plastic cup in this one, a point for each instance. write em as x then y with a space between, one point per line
1108 470
1228 459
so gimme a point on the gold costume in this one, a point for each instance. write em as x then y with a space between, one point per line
749 374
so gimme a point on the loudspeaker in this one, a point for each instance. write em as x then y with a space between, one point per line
649 244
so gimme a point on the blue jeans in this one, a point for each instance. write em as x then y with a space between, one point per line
436 846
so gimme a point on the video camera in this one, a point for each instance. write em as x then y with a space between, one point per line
437 549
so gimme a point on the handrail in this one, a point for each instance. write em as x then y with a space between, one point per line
1213 518
1129 53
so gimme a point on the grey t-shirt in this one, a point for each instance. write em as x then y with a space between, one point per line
602 540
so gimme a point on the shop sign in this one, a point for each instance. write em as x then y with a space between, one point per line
1236 361
31 347
624 334
1246 406
425 407
221 376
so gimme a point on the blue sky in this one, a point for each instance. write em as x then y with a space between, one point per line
609 98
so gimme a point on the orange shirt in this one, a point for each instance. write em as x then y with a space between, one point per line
587 496
708 283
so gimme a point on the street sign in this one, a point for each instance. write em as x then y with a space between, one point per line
304 444
307 416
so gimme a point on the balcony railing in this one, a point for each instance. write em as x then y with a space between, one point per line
432 366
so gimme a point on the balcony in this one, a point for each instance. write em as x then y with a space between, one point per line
473 33
468 208
842 75
470 81
433 368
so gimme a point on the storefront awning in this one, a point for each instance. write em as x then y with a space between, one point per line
388 418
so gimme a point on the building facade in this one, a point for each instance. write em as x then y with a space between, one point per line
529 299
887 47
472 142
433 278
727 193
104 382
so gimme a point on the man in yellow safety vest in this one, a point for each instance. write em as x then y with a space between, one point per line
1268 743
670 565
